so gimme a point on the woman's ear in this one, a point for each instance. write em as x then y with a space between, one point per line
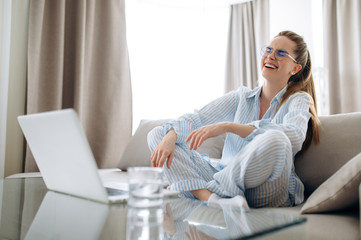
296 69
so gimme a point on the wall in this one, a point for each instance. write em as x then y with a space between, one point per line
13 48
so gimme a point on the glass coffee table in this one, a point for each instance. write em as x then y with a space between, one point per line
192 219
30 211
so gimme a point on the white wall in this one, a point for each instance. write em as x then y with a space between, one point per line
13 59
303 17
5 23
294 15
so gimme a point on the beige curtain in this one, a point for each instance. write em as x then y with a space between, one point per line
342 19
77 58
248 32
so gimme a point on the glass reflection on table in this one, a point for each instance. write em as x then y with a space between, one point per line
145 223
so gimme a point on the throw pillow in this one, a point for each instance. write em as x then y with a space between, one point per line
339 191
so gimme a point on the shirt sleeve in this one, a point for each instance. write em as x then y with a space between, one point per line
221 109
292 119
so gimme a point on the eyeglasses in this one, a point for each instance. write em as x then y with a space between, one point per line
279 54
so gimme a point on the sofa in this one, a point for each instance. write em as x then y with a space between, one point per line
330 171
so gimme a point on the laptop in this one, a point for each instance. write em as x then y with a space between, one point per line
64 157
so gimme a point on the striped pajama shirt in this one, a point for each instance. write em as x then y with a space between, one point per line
260 166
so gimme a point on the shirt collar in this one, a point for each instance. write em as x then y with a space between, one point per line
279 95
256 92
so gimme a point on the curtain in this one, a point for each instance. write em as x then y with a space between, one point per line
248 32
342 21
78 58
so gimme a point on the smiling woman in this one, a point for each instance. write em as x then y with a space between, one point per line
177 52
265 126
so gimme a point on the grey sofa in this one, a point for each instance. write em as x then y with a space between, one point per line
330 171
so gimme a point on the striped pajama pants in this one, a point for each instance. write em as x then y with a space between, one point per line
262 171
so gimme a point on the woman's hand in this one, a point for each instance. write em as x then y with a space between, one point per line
197 137
165 150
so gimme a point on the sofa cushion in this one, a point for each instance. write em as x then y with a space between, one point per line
340 140
339 191
137 152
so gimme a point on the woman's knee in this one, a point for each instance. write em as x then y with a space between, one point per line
270 150
276 139
154 137
277 151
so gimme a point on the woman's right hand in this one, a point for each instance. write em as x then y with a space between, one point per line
165 150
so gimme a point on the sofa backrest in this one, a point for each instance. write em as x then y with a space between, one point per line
340 140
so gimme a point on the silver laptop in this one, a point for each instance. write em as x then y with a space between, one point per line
64 157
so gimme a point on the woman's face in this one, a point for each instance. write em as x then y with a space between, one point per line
279 69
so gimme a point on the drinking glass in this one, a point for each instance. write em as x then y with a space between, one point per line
145 187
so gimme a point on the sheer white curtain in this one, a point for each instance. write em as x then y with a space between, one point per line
342 21
13 51
248 32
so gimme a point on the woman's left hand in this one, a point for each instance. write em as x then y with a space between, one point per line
197 137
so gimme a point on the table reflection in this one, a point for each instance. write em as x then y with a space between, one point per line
64 217
192 219
29 211
145 223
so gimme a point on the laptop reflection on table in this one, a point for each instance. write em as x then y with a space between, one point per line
62 216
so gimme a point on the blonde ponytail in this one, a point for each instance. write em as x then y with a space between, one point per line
303 82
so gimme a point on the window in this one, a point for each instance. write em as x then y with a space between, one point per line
177 52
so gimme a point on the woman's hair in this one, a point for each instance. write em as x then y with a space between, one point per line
303 82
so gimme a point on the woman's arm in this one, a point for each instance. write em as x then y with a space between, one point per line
177 131
219 110
197 137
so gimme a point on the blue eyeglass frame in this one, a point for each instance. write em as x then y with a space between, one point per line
279 53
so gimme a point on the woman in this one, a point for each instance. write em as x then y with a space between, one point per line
265 129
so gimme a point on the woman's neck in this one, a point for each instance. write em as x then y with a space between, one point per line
269 91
